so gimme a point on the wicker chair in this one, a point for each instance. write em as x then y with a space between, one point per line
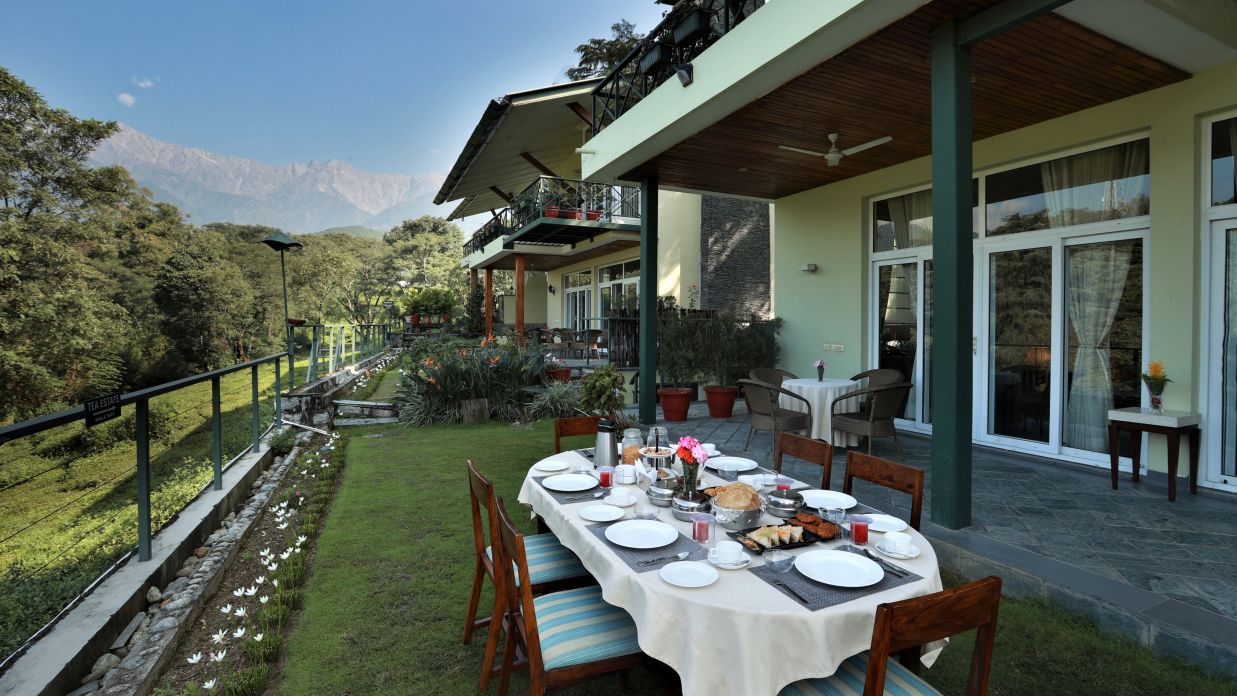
879 377
884 404
764 413
771 375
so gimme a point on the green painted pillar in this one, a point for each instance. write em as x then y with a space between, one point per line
648 300
142 427
216 434
952 266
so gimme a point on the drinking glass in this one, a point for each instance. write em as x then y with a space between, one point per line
605 475
859 532
658 437
780 561
703 527
646 512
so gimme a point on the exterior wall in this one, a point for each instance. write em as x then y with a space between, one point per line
829 226
734 255
534 301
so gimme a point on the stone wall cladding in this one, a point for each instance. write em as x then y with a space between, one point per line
173 609
734 256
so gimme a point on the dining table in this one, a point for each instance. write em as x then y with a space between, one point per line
742 634
821 393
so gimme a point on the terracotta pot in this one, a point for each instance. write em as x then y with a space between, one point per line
594 215
551 211
674 402
562 374
416 320
721 400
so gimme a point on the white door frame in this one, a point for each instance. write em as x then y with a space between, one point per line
1212 354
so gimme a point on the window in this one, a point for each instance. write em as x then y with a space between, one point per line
905 222
1224 162
1105 184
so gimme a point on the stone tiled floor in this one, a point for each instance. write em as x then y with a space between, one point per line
1185 550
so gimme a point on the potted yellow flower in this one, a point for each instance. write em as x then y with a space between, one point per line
1156 379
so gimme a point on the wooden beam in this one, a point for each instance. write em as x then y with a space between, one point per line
1000 17
537 164
499 192
580 111
519 298
648 300
489 302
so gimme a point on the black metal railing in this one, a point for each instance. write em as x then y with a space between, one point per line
689 28
498 226
570 199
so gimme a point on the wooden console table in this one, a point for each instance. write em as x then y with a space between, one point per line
1171 424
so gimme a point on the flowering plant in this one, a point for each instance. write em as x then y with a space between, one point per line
553 363
1155 377
691 451
821 364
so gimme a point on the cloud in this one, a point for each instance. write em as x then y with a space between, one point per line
126 99
144 82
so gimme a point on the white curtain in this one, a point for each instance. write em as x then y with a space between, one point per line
1097 276
911 216
1093 185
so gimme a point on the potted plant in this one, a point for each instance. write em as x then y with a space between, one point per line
593 215
1156 379
601 393
551 211
413 307
679 344
556 370
721 335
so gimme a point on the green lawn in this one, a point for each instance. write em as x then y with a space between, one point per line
384 604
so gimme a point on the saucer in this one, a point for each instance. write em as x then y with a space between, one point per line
880 546
609 500
731 566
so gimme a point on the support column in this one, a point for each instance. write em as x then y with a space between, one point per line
648 300
519 298
952 268
472 278
489 302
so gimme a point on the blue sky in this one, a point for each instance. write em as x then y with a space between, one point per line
390 86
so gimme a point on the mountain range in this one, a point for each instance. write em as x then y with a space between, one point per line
297 197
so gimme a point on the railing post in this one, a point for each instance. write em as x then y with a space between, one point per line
257 427
216 434
278 396
143 480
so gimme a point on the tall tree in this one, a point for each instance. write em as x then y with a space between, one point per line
597 57
426 252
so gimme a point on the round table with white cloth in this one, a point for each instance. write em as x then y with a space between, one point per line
821 393
739 635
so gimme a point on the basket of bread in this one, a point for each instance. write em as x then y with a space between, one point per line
736 506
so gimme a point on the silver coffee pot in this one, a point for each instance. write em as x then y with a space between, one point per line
606 452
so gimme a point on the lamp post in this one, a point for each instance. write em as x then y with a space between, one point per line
281 242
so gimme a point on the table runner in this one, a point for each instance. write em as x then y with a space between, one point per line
632 557
564 497
820 596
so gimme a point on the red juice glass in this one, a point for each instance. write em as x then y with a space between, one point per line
605 475
859 532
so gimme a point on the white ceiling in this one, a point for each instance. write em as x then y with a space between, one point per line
1193 35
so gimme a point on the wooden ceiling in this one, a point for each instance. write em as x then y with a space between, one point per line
1043 69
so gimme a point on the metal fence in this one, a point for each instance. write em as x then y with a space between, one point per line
331 346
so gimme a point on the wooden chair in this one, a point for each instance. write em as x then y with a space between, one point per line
570 427
553 566
889 474
876 420
805 448
903 628
559 631
771 375
764 413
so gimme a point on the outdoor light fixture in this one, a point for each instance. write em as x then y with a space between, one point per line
686 73
281 242
550 288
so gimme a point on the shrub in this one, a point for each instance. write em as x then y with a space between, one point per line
250 681
434 390
283 442
555 400
601 392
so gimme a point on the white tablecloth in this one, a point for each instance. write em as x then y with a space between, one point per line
739 635
821 395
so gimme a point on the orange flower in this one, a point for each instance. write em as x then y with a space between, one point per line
1156 369
494 360
429 361
485 341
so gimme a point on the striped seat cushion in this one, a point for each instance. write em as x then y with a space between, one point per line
849 679
548 559
577 627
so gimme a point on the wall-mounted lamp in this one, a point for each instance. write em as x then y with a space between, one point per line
686 73
808 268
550 288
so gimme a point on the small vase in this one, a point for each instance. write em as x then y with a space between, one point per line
820 374
1157 403
691 477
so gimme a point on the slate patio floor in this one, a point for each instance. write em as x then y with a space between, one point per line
1185 550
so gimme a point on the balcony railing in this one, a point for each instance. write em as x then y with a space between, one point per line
498 226
569 199
688 29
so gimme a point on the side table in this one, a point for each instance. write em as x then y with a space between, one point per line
1171 424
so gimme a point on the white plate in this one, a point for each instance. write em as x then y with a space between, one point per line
740 463
551 465
569 483
689 574
880 546
884 523
641 534
839 568
828 499
609 500
601 513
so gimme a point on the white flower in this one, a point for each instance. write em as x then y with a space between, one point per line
301 500
239 633
240 612
284 504
297 550
238 592
209 684
265 552
257 637
226 609
324 465
251 590
219 636
274 583
264 599
218 656
259 580
284 525
302 539
284 556
272 567
195 658
304 471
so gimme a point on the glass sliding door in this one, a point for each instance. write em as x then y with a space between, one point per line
577 300
1223 466
898 325
1020 343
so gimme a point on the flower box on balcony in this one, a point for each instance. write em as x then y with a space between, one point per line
593 215
693 27
551 211
657 56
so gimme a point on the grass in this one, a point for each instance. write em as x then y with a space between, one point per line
383 608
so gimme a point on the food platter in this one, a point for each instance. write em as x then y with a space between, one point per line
754 546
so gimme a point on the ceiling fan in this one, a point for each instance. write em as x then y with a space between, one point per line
834 155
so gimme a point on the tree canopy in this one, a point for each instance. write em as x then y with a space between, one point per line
597 57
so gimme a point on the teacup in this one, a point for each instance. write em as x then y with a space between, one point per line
622 496
710 448
625 473
728 552
898 542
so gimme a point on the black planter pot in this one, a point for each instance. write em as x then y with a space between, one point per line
657 56
693 27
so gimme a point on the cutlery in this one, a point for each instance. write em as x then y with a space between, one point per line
791 590
598 494
889 567
655 561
